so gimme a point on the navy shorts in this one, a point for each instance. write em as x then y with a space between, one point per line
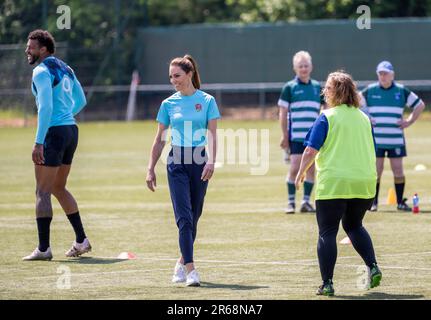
391 153
60 145
296 147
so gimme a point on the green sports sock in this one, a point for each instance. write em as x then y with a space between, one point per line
291 189
308 187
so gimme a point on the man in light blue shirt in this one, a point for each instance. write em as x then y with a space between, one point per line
59 97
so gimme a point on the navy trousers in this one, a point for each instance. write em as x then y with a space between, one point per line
185 166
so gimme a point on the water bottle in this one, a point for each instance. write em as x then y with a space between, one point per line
415 208
286 156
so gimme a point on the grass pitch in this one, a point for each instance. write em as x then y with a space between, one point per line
247 248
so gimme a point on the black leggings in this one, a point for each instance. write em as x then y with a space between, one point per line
350 212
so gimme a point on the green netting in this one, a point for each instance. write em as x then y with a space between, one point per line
263 53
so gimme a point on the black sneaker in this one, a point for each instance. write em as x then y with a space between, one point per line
290 208
306 207
403 206
375 276
326 289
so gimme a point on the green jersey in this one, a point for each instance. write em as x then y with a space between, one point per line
386 107
303 102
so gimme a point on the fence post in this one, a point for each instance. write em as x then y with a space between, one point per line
262 102
218 99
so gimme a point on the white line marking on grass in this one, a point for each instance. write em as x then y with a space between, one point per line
225 264
231 263
380 255
308 262
88 274
311 260
145 207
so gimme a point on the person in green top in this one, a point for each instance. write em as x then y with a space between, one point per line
300 103
341 144
384 102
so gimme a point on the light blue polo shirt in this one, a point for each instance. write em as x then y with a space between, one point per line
188 117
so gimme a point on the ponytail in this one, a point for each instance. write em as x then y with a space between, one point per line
188 64
196 79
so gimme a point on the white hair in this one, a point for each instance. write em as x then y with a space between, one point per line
301 55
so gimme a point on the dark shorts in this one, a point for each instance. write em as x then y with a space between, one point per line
60 145
391 153
296 147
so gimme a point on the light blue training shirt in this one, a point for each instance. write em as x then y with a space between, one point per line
188 117
59 95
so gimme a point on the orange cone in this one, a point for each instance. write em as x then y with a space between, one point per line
392 197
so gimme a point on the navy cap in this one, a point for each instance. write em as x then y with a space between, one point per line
385 66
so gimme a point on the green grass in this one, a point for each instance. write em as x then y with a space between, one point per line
247 248
12 113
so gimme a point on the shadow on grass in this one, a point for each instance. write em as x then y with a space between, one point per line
382 296
211 285
91 260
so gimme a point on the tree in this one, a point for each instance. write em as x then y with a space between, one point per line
101 40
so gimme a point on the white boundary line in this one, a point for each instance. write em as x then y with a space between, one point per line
91 274
230 263
287 263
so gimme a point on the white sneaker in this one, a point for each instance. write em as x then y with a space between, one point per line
290 208
39 255
307 207
373 207
193 279
180 274
79 248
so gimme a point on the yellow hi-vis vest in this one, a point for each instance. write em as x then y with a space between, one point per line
346 163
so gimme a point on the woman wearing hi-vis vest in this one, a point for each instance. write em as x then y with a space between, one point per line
341 144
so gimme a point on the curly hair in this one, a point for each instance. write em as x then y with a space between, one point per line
44 38
341 89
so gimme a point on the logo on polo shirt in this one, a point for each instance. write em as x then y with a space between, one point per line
298 91
397 96
375 96
198 107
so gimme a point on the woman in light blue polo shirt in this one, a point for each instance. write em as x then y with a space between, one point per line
192 116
